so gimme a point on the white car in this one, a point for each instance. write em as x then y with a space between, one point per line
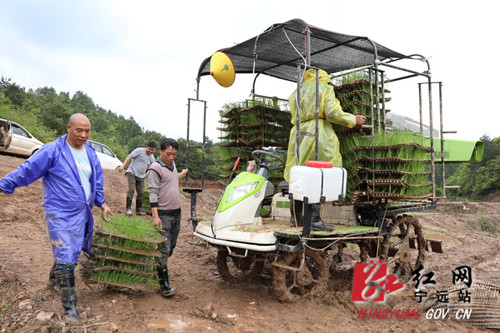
16 140
106 156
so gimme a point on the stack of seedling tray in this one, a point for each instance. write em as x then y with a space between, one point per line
391 165
253 124
355 97
126 252
381 164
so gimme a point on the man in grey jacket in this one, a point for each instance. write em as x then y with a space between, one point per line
165 201
139 159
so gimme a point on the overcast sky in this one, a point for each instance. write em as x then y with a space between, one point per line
140 58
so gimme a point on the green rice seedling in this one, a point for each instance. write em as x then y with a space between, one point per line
133 268
124 279
229 155
249 117
349 143
151 274
399 161
355 178
131 227
226 108
414 191
259 100
124 243
125 255
350 77
354 96
152 253
279 116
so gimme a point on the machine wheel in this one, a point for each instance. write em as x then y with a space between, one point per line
237 270
396 249
364 250
312 280
337 258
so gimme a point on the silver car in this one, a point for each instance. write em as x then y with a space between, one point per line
106 156
16 140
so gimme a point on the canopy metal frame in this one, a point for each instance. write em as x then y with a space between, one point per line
273 53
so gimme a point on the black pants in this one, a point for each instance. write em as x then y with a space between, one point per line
171 225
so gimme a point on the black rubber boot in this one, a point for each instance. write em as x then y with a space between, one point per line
52 284
66 281
138 207
129 206
317 223
165 289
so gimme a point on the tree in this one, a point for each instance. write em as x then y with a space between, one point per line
478 180
12 91
81 103
45 113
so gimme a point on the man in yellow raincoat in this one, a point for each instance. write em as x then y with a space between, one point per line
330 111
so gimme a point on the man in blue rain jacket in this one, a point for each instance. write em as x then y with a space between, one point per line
72 184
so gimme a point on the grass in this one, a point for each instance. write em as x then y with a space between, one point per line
485 225
4 305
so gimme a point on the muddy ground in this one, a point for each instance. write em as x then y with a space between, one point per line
204 302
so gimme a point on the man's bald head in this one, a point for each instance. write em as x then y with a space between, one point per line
78 130
78 117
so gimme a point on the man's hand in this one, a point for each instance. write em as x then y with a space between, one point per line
125 164
105 212
156 217
183 173
157 222
360 120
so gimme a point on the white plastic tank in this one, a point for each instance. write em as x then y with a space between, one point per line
317 180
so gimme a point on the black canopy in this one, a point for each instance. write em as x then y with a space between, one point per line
275 51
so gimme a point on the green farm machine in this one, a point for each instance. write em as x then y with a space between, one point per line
389 167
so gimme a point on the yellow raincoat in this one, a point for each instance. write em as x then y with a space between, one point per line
330 111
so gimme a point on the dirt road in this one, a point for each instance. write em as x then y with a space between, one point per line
204 302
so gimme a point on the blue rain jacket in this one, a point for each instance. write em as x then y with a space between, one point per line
67 213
